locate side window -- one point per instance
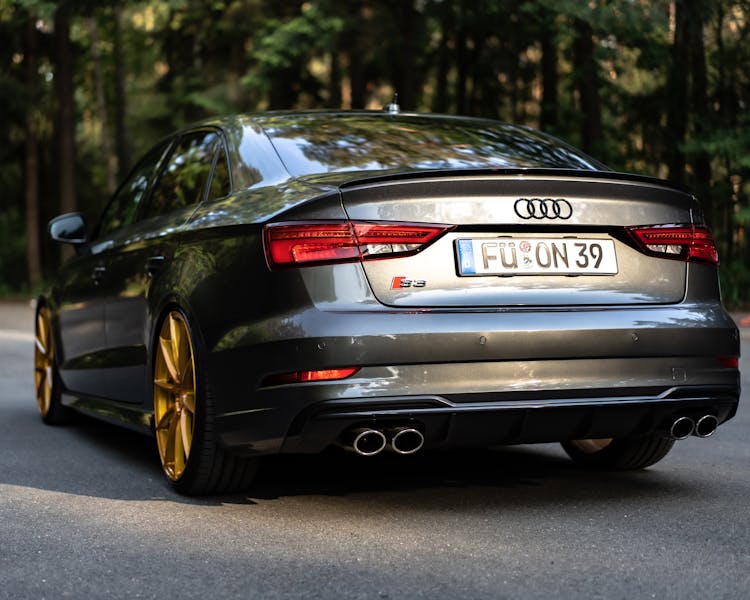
(121, 210)
(184, 178)
(220, 184)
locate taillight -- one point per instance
(305, 376)
(730, 362)
(681, 242)
(308, 243)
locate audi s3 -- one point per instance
(386, 282)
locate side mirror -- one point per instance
(68, 229)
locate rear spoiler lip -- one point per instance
(520, 172)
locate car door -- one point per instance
(138, 258)
(87, 354)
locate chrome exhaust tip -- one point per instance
(406, 440)
(368, 442)
(706, 426)
(682, 428)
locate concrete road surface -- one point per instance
(85, 513)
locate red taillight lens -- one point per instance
(289, 243)
(681, 242)
(730, 362)
(303, 376)
(342, 241)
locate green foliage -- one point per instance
(725, 144)
(182, 60)
(285, 43)
(735, 285)
(285, 48)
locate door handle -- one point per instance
(153, 264)
(98, 274)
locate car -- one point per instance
(284, 282)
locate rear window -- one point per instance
(311, 144)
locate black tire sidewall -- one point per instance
(623, 454)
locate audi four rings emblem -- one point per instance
(543, 208)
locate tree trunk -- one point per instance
(406, 77)
(514, 75)
(587, 83)
(352, 41)
(462, 61)
(474, 103)
(548, 118)
(677, 94)
(440, 99)
(701, 162)
(727, 110)
(334, 82)
(283, 93)
(357, 79)
(101, 108)
(31, 187)
(122, 144)
(65, 115)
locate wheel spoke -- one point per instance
(175, 333)
(41, 328)
(167, 385)
(180, 346)
(40, 394)
(188, 401)
(165, 420)
(47, 394)
(169, 449)
(165, 347)
(186, 372)
(186, 427)
(179, 448)
(592, 446)
(46, 336)
(40, 346)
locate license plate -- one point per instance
(536, 256)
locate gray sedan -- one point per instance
(285, 282)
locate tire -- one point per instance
(191, 454)
(620, 454)
(47, 383)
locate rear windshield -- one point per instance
(311, 144)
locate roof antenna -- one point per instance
(393, 108)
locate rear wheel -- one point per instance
(46, 379)
(624, 454)
(191, 455)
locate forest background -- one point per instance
(660, 87)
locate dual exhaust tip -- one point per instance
(369, 442)
(405, 440)
(684, 427)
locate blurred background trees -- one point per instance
(657, 87)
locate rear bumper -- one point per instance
(306, 418)
(475, 379)
(450, 424)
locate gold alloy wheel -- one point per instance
(44, 360)
(591, 446)
(174, 394)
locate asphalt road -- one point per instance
(85, 513)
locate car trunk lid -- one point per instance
(524, 239)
